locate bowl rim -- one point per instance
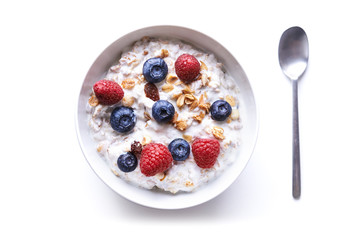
(83, 147)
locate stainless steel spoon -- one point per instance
(293, 58)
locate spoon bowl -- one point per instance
(294, 52)
(293, 59)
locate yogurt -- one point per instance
(192, 118)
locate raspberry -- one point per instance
(155, 158)
(187, 68)
(108, 92)
(205, 152)
(151, 91)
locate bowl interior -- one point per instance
(159, 199)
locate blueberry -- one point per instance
(123, 119)
(155, 70)
(220, 110)
(180, 149)
(163, 111)
(127, 162)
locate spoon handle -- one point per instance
(296, 188)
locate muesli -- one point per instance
(166, 116)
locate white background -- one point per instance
(48, 191)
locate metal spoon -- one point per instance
(293, 58)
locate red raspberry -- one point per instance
(205, 152)
(187, 68)
(108, 92)
(155, 158)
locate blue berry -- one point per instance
(127, 162)
(179, 149)
(163, 111)
(220, 110)
(123, 119)
(155, 70)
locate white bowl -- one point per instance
(160, 199)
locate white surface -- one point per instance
(48, 191)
